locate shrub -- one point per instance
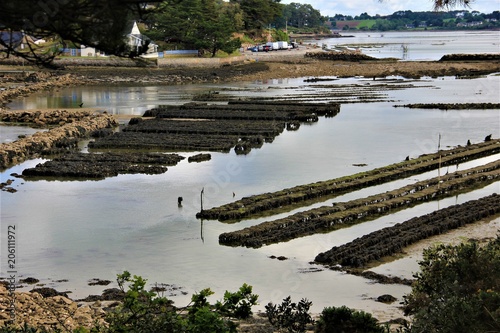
(457, 289)
(239, 304)
(343, 319)
(290, 316)
(144, 311)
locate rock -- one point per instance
(386, 298)
(48, 292)
(29, 280)
(49, 313)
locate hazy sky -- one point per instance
(373, 7)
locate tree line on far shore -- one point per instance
(409, 20)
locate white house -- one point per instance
(136, 40)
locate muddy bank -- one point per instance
(304, 195)
(388, 241)
(73, 127)
(272, 65)
(344, 214)
(99, 166)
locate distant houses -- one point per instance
(15, 39)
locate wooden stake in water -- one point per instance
(201, 197)
(439, 166)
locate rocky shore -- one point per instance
(52, 313)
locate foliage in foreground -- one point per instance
(143, 311)
(457, 289)
(293, 317)
(344, 319)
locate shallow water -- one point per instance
(429, 45)
(79, 230)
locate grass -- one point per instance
(366, 23)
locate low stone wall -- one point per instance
(44, 118)
(64, 136)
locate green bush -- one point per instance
(457, 289)
(345, 320)
(239, 304)
(290, 316)
(141, 310)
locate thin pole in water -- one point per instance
(439, 166)
(201, 197)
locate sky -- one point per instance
(373, 7)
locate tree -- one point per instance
(97, 23)
(257, 14)
(302, 15)
(457, 290)
(204, 25)
(216, 29)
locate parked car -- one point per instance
(265, 48)
(253, 48)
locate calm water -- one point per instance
(430, 45)
(81, 230)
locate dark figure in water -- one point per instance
(487, 138)
(468, 143)
(179, 201)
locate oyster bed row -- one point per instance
(300, 195)
(328, 218)
(196, 126)
(391, 240)
(99, 166)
